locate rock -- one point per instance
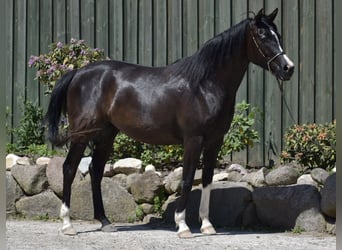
(228, 202)
(13, 193)
(331, 227)
(43, 161)
(54, 173)
(279, 207)
(130, 179)
(319, 175)
(31, 178)
(119, 205)
(150, 168)
(24, 161)
(84, 165)
(306, 179)
(146, 187)
(311, 220)
(197, 177)
(220, 177)
(256, 179)
(108, 171)
(328, 194)
(11, 160)
(283, 175)
(147, 208)
(234, 176)
(121, 179)
(238, 168)
(173, 182)
(250, 217)
(128, 166)
(45, 204)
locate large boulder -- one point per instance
(328, 194)
(54, 173)
(147, 186)
(119, 205)
(283, 175)
(173, 181)
(228, 203)
(279, 207)
(11, 160)
(127, 166)
(319, 175)
(311, 220)
(13, 193)
(256, 179)
(45, 205)
(31, 178)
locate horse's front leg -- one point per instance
(210, 154)
(192, 152)
(69, 171)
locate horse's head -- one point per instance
(264, 46)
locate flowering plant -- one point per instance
(61, 59)
(312, 145)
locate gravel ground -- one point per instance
(24, 234)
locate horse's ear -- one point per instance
(260, 14)
(273, 15)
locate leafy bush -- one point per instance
(311, 145)
(238, 138)
(61, 59)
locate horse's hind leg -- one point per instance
(103, 146)
(69, 170)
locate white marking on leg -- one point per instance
(183, 229)
(65, 215)
(204, 211)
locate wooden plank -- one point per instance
(131, 31)
(273, 104)
(222, 15)
(174, 28)
(145, 33)
(116, 27)
(190, 27)
(19, 93)
(239, 10)
(324, 81)
(306, 66)
(73, 20)
(32, 48)
(59, 21)
(255, 85)
(206, 11)
(88, 22)
(101, 25)
(159, 32)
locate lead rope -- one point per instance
(280, 85)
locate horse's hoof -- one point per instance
(209, 230)
(186, 234)
(109, 228)
(70, 231)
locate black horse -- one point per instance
(189, 102)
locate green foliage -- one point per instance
(311, 145)
(31, 129)
(139, 213)
(241, 134)
(297, 230)
(61, 59)
(158, 202)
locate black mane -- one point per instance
(201, 66)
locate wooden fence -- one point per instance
(158, 32)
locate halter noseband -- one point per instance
(262, 53)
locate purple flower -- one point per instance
(33, 60)
(73, 40)
(59, 45)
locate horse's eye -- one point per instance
(261, 33)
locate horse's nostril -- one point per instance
(288, 68)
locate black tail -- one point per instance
(56, 106)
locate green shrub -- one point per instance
(61, 59)
(311, 145)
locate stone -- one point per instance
(54, 173)
(147, 208)
(306, 179)
(108, 170)
(197, 177)
(146, 187)
(150, 167)
(128, 166)
(31, 178)
(238, 168)
(279, 207)
(83, 166)
(328, 194)
(319, 175)
(13, 194)
(24, 161)
(311, 220)
(234, 176)
(130, 179)
(220, 177)
(249, 217)
(11, 160)
(121, 179)
(173, 182)
(46, 205)
(256, 179)
(119, 205)
(283, 175)
(43, 160)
